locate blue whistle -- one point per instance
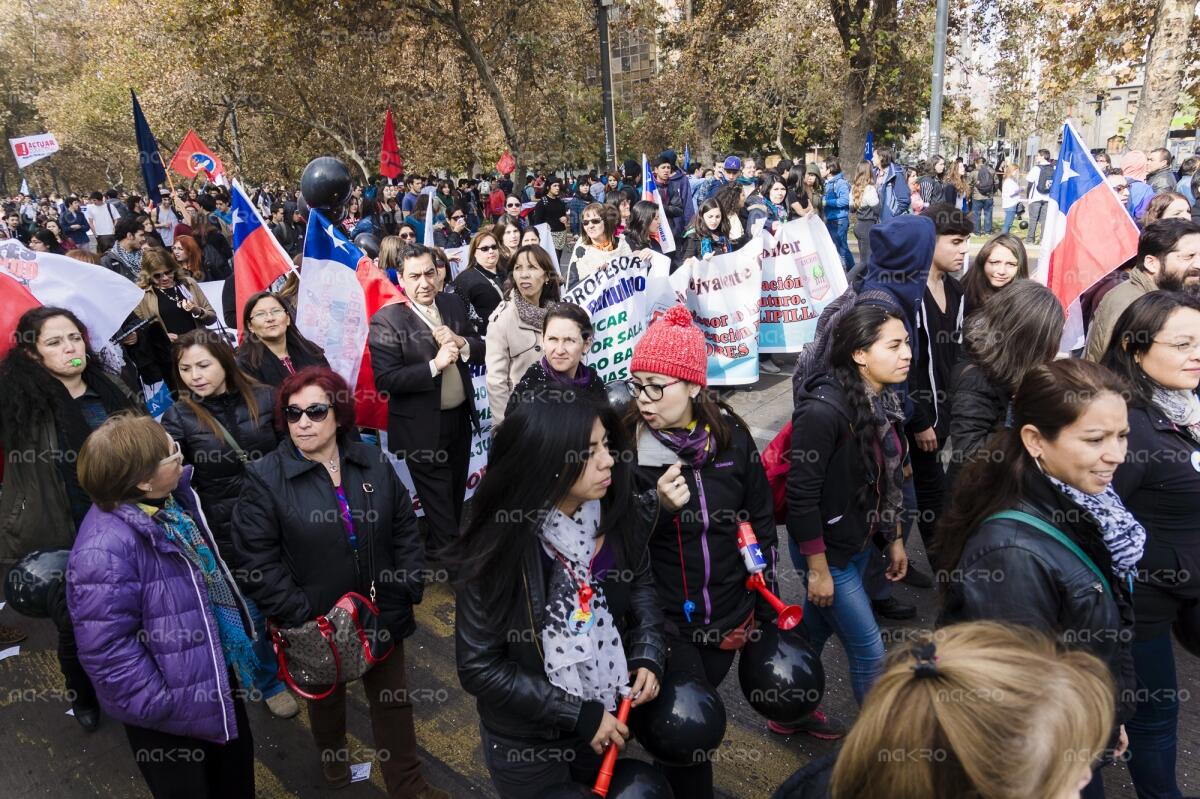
(689, 607)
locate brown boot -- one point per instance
(10, 636)
(335, 766)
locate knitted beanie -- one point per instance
(672, 346)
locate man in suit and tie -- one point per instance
(419, 352)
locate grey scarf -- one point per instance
(1124, 537)
(1182, 408)
(890, 457)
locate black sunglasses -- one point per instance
(458, 217)
(485, 248)
(408, 236)
(315, 412)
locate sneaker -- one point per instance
(917, 578)
(283, 705)
(817, 724)
(768, 366)
(11, 635)
(894, 609)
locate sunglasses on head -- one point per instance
(315, 412)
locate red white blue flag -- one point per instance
(1088, 232)
(258, 258)
(341, 288)
(666, 238)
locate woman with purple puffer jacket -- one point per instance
(161, 627)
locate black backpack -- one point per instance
(985, 181)
(1045, 178)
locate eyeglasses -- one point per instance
(653, 392)
(590, 222)
(315, 412)
(486, 248)
(408, 236)
(176, 454)
(1182, 347)
(258, 316)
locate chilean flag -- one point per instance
(340, 290)
(258, 258)
(1088, 233)
(666, 238)
(101, 298)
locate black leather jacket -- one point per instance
(1012, 572)
(501, 665)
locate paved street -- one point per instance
(45, 754)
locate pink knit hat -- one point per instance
(672, 346)
(1134, 165)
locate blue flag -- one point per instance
(151, 163)
(869, 149)
(687, 158)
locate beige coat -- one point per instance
(148, 307)
(1110, 309)
(512, 347)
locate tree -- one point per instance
(1166, 58)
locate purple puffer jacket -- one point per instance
(144, 626)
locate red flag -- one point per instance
(194, 157)
(506, 164)
(258, 259)
(390, 164)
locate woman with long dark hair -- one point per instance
(1035, 531)
(272, 346)
(1000, 262)
(701, 460)
(481, 284)
(845, 484)
(507, 231)
(933, 184)
(514, 334)
(223, 420)
(706, 235)
(642, 231)
(556, 611)
(1155, 347)
(55, 393)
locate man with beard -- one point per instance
(1168, 258)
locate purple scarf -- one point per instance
(692, 444)
(583, 375)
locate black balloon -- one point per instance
(619, 396)
(302, 207)
(568, 790)
(637, 779)
(683, 724)
(35, 578)
(368, 243)
(325, 183)
(1187, 628)
(781, 676)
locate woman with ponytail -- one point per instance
(1038, 535)
(844, 487)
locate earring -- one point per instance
(1038, 462)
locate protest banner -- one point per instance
(801, 274)
(722, 294)
(620, 299)
(30, 149)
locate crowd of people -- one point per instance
(603, 553)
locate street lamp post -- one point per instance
(606, 89)
(939, 74)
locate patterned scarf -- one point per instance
(693, 444)
(890, 457)
(531, 315)
(132, 261)
(1182, 408)
(181, 530)
(582, 376)
(1124, 537)
(584, 659)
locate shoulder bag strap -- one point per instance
(1057, 535)
(229, 439)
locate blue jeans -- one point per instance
(849, 617)
(983, 211)
(266, 676)
(1010, 216)
(1152, 730)
(839, 230)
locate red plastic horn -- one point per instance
(604, 778)
(789, 615)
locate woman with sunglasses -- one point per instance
(512, 207)
(481, 284)
(221, 421)
(597, 244)
(173, 299)
(55, 393)
(322, 516)
(272, 346)
(163, 629)
(454, 233)
(700, 458)
(1155, 348)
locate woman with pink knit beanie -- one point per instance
(704, 464)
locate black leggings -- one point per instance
(711, 665)
(79, 686)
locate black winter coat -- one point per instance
(1012, 572)
(535, 383)
(730, 487)
(500, 663)
(826, 473)
(291, 548)
(271, 371)
(219, 469)
(481, 289)
(978, 408)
